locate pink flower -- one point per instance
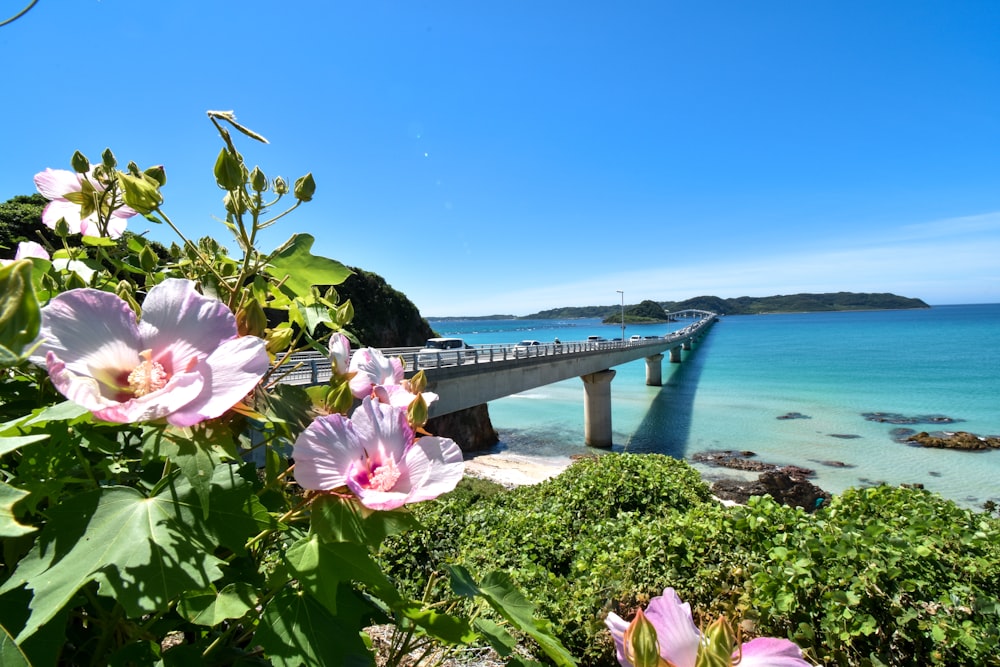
(375, 455)
(680, 640)
(183, 361)
(61, 187)
(372, 368)
(400, 395)
(25, 250)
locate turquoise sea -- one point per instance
(749, 370)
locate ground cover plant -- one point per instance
(882, 576)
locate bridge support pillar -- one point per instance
(686, 345)
(675, 355)
(597, 408)
(654, 371)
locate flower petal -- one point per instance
(180, 390)
(60, 208)
(229, 373)
(182, 325)
(435, 466)
(93, 333)
(27, 249)
(324, 452)
(382, 428)
(57, 183)
(771, 652)
(617, 626)
(675, 628)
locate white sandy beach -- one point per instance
(513, 469)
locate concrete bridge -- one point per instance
(483, 373)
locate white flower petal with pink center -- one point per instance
(183, 361)
(340, 354)
(56, 184)
(372, 368)
(375, 455)
(679, 638)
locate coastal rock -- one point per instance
(794, 415)
(470, 428)
(895, 418)
(736, 460)
(957, 440)
(785, 488)
(834, 464)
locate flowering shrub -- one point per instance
(135, 392)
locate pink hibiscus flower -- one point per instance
(183, 361)
(680, 640)
(375, 455)
(61, 186)
(26, 250)
(372, 368)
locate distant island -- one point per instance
(652, 311)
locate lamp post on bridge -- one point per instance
(623, 313)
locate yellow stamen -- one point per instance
(148, 376)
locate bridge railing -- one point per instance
(305, 368)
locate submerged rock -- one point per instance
(895, 418)
(736, 460)
(794, 415)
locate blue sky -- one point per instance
(507, 157)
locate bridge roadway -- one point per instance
(483, 373)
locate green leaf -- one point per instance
(301, 269)
(20, 316)
(211, 608)
(499, 591)
(321, 566)
(10, 653)
(65, 411)
(102, 241)
(9, 525)
(339, 519)
(197, 451)
(9, 444)
(501, 640)
(142, 551)
(297, 630)
(444, 627)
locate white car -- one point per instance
(441, 352)
(525, 347)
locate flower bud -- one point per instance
(228, 171)
(716, 647)
(108, 160)
(305, 188)
(148, 259)
(641, 646)
(80, 163)
(157, 174)
(62, 228)
(416, 412)
(258, 181)
(279, 339)
(74, 281)
(140, 193)
(280, 186)
(250, 319)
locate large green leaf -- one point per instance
(340, 519)
(297, 630)
(9, 525)
(65, 411)
(10, 443)
(321, 566)
(197, 451)
(499, 591)
(142, 551)
(301, 269)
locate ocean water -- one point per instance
(749, 370)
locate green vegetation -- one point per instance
(798, 303)
(882, 576)
(746, 305)
(647, 312)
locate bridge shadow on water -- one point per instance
(666, 427)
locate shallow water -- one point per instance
(729, 391)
